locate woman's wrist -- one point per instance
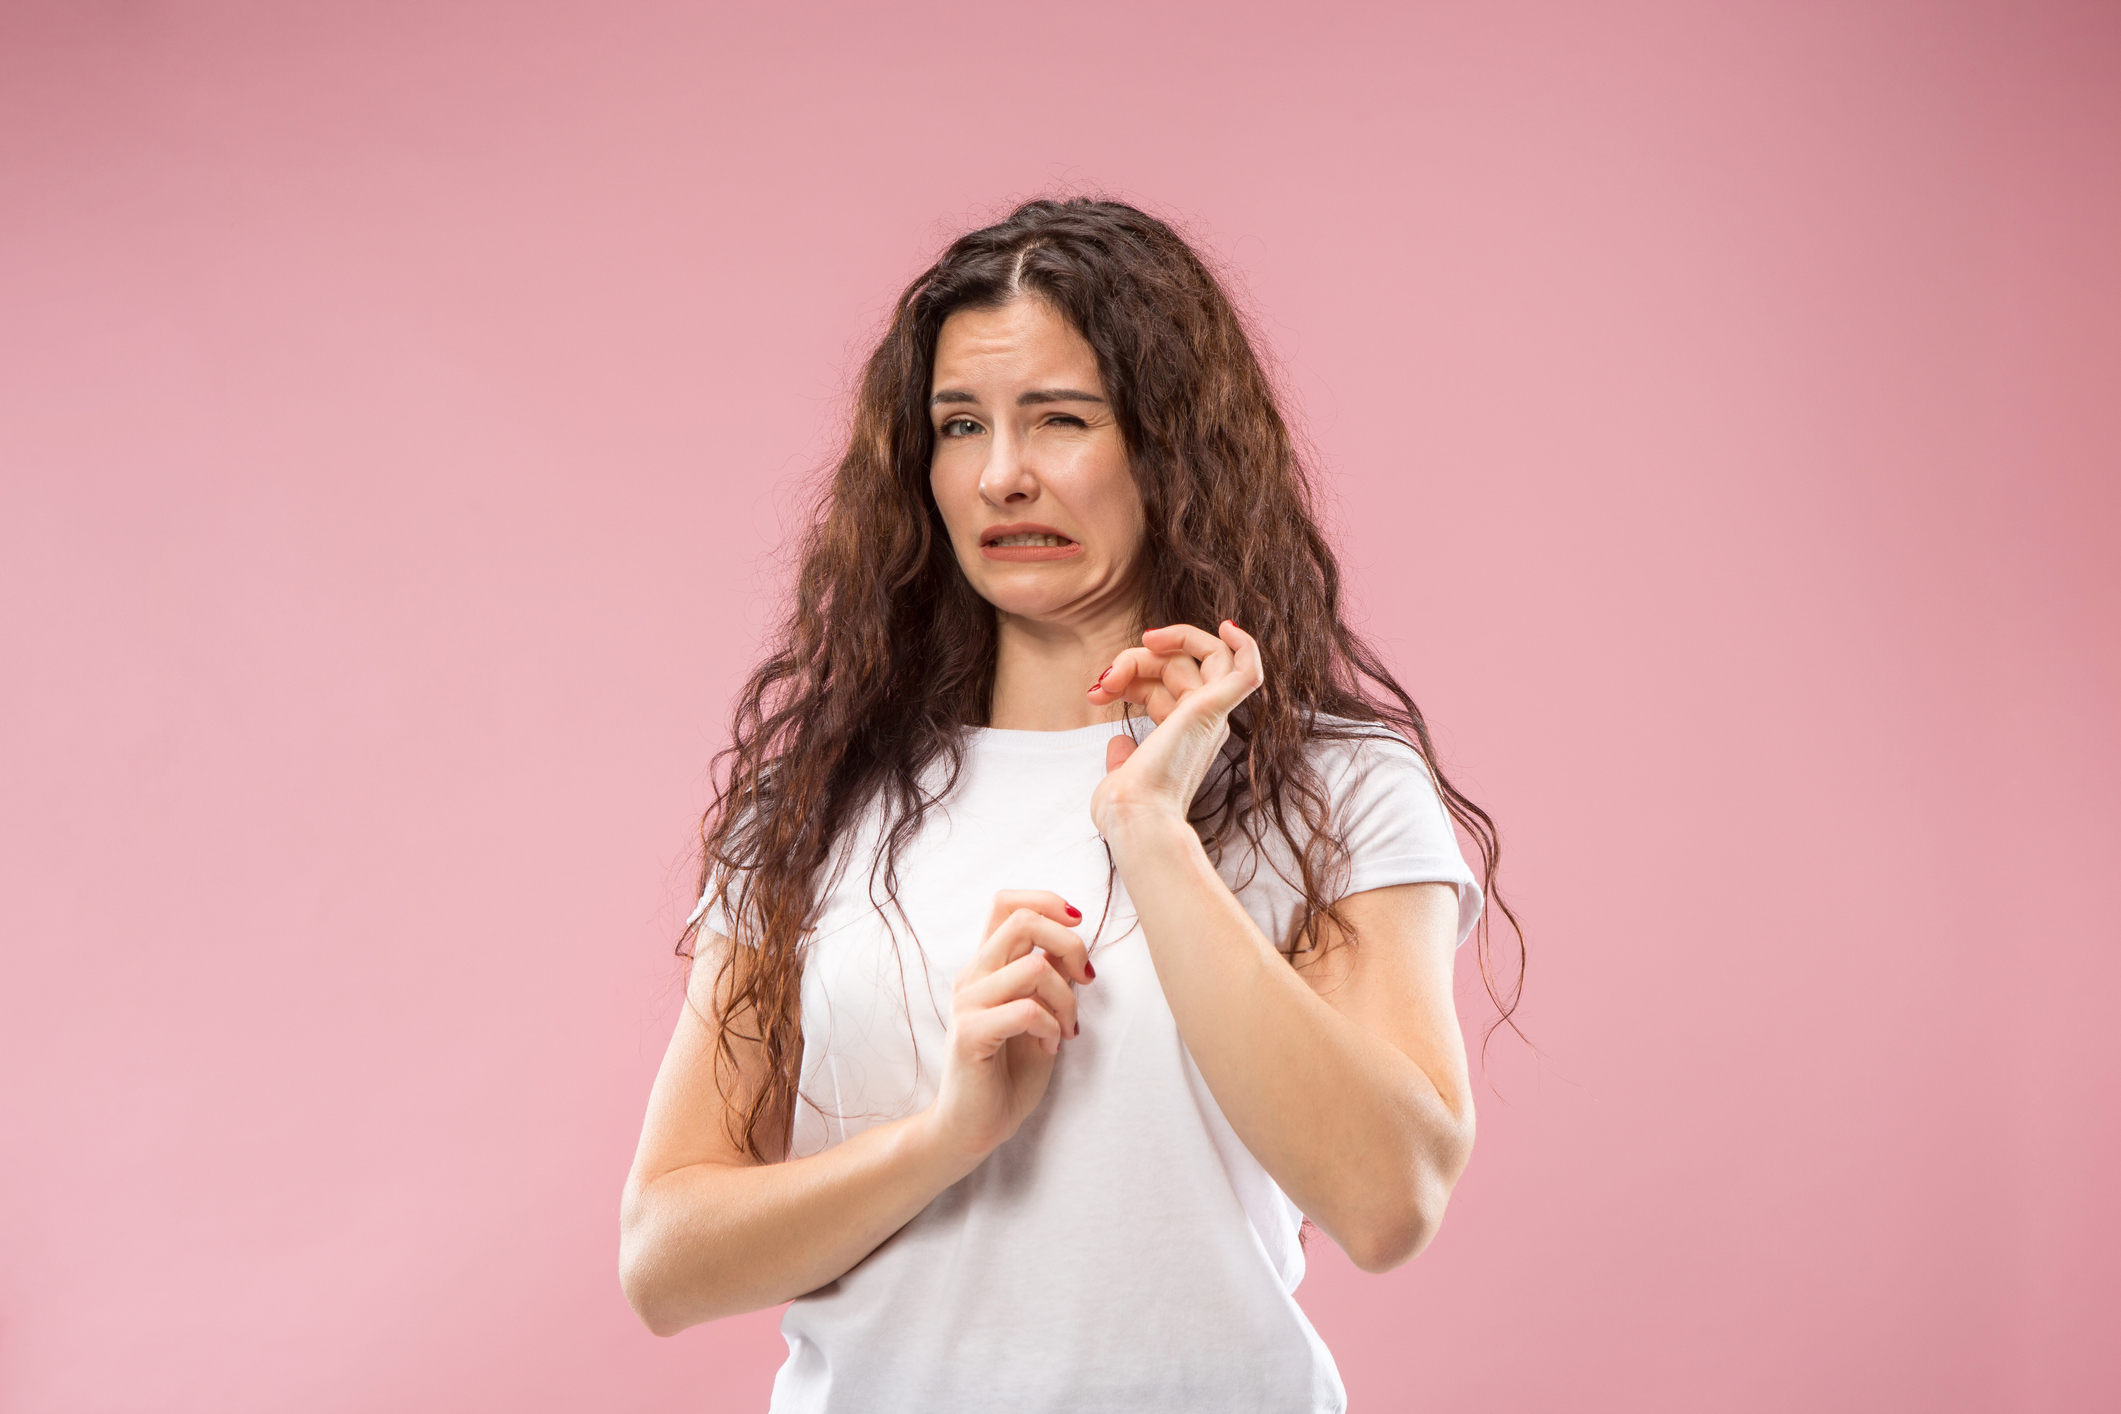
(1150, 836)
(926, 1141)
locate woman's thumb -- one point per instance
(1117, 751)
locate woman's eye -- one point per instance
(960, 427)
(1062, 419)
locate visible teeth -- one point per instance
(1054, 540)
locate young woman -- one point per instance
(1074, 919)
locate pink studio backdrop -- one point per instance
(399, 406)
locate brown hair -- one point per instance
(888, 653)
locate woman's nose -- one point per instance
(1007, 478)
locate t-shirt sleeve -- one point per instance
(719, 918)
(1395, 825)
(714, 916)
(709, 915)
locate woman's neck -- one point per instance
(1043, 671)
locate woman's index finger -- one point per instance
(1133, 675)
(1040, 901)
(1186, 638)
(1023, 930)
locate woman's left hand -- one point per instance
(1189, 680)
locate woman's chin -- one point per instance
(1051, 592)
(1028, 596)
(1031, 608)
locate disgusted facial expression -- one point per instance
(1030, 468)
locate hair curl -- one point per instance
(888, 653)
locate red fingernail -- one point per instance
(1089, 971)
(1073, 911)
(1078, 1028)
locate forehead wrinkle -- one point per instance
(994, 349)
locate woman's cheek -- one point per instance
(944, 486)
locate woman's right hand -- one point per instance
(708, 1230)
(1012, 1007)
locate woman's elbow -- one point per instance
(1393, 1240)
(1397, 1232)
(640, 1269)
(659, 1325)
(637, 1284)
(643, 1295)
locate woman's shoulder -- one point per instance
(1347, 750)
(1376, 780)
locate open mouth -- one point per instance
(1012, 540)
(1026, 542)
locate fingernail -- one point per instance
(1089, 971)
(1078, 1028)
(1073, 911)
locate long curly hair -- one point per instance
(888, 654)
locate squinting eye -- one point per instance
(960, 427)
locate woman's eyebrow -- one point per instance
(1057, 395)
(1037, 395)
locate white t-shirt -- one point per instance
(1123, 1251)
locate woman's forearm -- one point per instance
(715, 1239)
(1357, 1134)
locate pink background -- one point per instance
(400, 403)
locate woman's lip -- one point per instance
(1030, 552)
(991, 551)
(1017, 527)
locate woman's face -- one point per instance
(1030, 469)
